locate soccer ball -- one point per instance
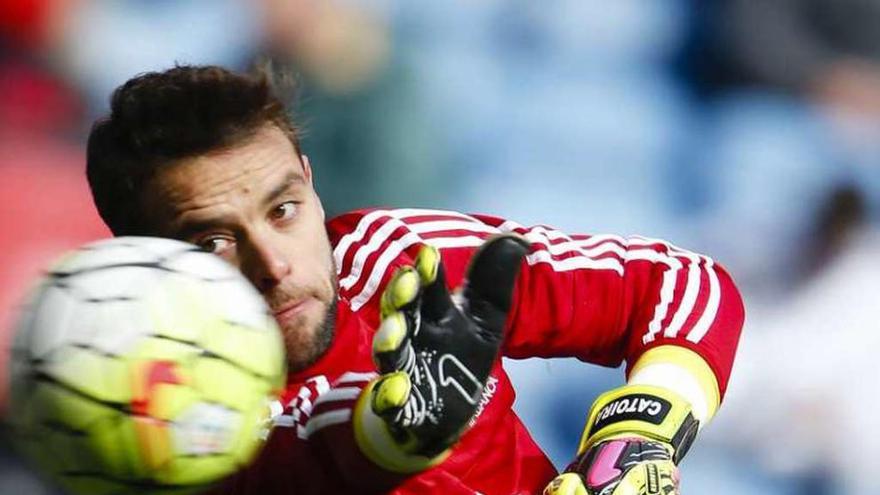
(143, 365)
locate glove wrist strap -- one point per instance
(641, 410)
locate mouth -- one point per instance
(291, 310)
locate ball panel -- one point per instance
(161, 247)
(66, 409)
(199, 469)
(169, 401)
(194, 264)
(122, 250)
(205, 429)
(255, 424)
(154, 443)
(114, 327)
(116, 283)
(116, 438)
(261, 353)
(242, 304)
(158, 348)
(65, 455)
(104, 253)
(61, 423)
(89, 373)
(226, 383)
(50, 318)
(180, 308)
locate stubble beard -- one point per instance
(305, 348)
(301, 355)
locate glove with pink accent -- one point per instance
(634, 439)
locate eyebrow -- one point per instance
(290, 180)
(191, 227)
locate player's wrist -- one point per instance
(682, 371)
(387, 449)
(641, 412)
(632, 442)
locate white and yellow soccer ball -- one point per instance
(143, 365)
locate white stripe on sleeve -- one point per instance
(326, 419)
(702, 327)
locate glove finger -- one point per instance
(436, 300)
(649, 478)
(398, 305)
(401, 292)
(392, 346)
(491, 279)
(390, 394)
(633, 483)
(566, 484)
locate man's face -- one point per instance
(254, 205)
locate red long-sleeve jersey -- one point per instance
(603, 299)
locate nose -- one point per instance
(264, 263)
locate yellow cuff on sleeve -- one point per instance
(682, 371)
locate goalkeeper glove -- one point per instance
(435, 355)
(634, 439)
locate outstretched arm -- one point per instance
(673, 316)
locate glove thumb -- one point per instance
(488, 293)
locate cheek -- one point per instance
(311, 253)
(327, 269)
(317, 266)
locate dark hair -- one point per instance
(161, 117)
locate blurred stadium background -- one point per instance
(746, 129)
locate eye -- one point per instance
(284, 211)
(215, 245)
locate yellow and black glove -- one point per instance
(634, 438)
(434, 355)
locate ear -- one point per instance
(307, 168)
(307, 171)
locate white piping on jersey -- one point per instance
(397, 246)
(373, 245)
(370, 218)
(441, 225)
(702, 327)
(386, 231)
(453, 242)
(284, 421)
(686, 307)
(353, 376)
(356, 235)
(575, 263)
(339, 393)
(601, 244)
(326, 419)
(542, 235)
(585, 260)
(667, 287)
(393, 251)
(689, 299)
(587, 249)
(336, 394)
(590, 248)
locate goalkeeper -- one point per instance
(395, 320)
